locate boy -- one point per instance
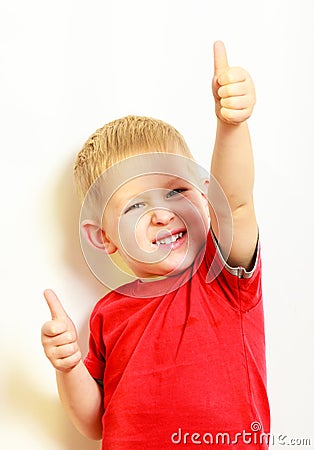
(176, 357)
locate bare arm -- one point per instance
(232, 163)
(80, 394)
(82, 399)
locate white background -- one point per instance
(68, 67)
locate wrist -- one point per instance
(226, 126)
(71, 368)
(228, 117)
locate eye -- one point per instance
(175, 192)
(135, 206)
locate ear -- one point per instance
(205, 186)
(97, 237)
(204, 190)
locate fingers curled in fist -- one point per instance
(233, 89)
(59, 336)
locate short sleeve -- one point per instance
(243, 288)
(95, 360)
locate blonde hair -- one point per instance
(120, 139)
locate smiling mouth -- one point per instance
(169, 239)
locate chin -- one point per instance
(176, 267)
(170, 266)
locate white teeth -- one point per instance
(170, 239)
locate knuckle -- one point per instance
(227, 113)
(59, 326)
(46, 343)
(226, 77)
(69, 362)
(59, 364)
(44, 339)
(228, 91)
(72, 349)
(76, 347)
(50, 354)
(70, 336)
(46, 328)
(64, 350)
(230, 77)
(47, 351)
(228, 102)
(63, 359)
(223, 91)
(78, 356)
(53, 328)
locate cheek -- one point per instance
(193, 212)
(196, 220)
(140, 227)
(135, 243)
(126, 228)
(202, 207)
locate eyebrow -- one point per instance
(125, 199)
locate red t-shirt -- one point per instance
(185, 367)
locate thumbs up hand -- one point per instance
(59, 336)
(233, 89)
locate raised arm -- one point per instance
(79, 393)
(232, 163)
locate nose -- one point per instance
(162, 216)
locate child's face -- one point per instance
(158, 223)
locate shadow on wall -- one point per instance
(67, 209)
(31, 405)
(48, 412)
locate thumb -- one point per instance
(56, 309)
(220, 58)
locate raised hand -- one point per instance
(233, 89)
(59, 336)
